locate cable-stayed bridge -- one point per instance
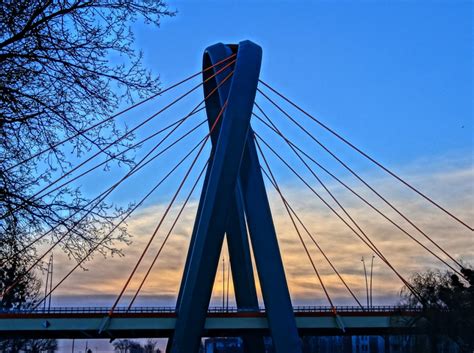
(83, 322)
(233, 204)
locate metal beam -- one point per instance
(228, 188)
(211, 225)
(267, 254)
(236, 230)
(216, 324)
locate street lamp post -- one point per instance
(366, 281)
(371, 276)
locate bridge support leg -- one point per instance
(242, 270)
(267, 254)
(236, 230)
(221, 210)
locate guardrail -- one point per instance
(169, 309)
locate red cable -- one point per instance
(167, 236)
(113, 187)
(368, 242)
(131, 131)
(324, 255)
(100, 198)
(107, 236)
(277, 188)
(365, 155)
(291, 144)
(371, 188)
(117, 114)
(320, 249)
(165, 213)
(131, 172)
(129, 148)
(32, 197)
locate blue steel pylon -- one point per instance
(234, 197)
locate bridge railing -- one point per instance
(171, 310)
(342, 309)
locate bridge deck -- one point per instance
(160, 322)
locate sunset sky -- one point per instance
(395, 78)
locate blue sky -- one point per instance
(395, 78)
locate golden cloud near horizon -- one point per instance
(107, 276)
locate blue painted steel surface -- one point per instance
(267, 254)
(219, 195)
(236, 231)
(213, 104)
(242, 273)
(160, 322)
(228, 189)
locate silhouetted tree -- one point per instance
(135, 347)
(24, 295)
(40, 346)
(448, 306)
(121, 346)
(26, 290)
(65, 65)
(151, 347)
(130, 346)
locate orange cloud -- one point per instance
(452, 187)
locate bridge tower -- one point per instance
(234, 199)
